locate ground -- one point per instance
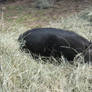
(19, 72)
(25, 12)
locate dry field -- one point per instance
(19, 72)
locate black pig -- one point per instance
(54, 42)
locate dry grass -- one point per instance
(20, 73)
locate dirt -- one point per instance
(40, 17)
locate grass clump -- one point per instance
(44, 3)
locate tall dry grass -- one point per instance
(20, 73)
